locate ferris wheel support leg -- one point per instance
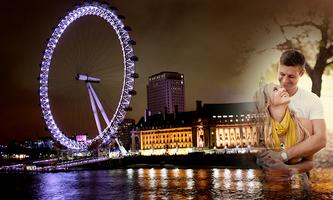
(121, 148)
(106, 119)
(93, 106)
(98, 102)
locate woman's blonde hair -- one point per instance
(263, 97)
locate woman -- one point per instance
(279, 128)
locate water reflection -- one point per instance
(166, 184)
(190, 181)
(56, 181)
(226, 179)
(129, 174)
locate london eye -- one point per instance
(82, 76)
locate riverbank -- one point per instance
(193, 160)
(322, 159)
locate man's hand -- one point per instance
(266, 155)
(272, 164)
(275, 169)
(278, 175)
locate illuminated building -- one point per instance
(212, 126)
(165, 93)
(166, 141)
(81, 138)
(164, 134)
(226, 126)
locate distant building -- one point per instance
(211, 126)
(166, 93)
(124, 132)
(81, 138)
(40, 143)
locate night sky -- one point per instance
(203, 39)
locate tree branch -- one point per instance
(329, 63)
(307, 23)
(281, 28)
(308, 69)
(287, 44)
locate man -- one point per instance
(308, 108)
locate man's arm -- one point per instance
(304, 166)
(311, 145)
(279, 171)
(306, 148)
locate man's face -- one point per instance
(289, 76)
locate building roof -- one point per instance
(167, 75)
(188, 118)
(179, 119)
(228, 109)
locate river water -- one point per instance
(165, 183)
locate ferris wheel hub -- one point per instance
(86, 78)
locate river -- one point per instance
(164, 183)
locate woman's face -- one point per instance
(278, 96)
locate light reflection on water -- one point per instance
(165, 184)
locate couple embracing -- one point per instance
(290, 120)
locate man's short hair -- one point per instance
(293, 58)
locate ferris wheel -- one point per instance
(107, 134)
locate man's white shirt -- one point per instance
(306, 105)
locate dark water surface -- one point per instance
(164, 184)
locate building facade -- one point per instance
(227, 125)
(167, 141)
(213, 126)
(218, 134)
(165, 93)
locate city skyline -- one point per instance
(205, 41)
